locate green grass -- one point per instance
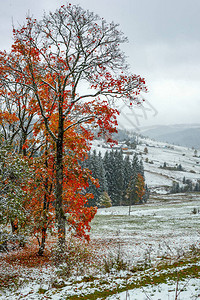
(164, 273)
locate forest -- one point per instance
(119, 176)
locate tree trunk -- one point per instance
(14, 225)
(42, 244)
(59, 184)
(45, 208)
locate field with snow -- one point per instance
(138, 257)
(157, 228)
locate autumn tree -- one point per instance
(104, 200)
(17, 116)
(72, 63)
(139, 188)
(42, 187)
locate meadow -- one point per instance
(153, 252)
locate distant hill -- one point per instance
(183, 134)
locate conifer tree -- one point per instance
(127, 177)
(146, 194)
(93, 165)
(102, 175)
(118, 177)
(110, 168)
(197, 187)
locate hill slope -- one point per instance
(184, 135)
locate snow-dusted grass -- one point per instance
(166, 227)
(187, 289)
(145, 254)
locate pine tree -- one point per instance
(135, 165)
(197, 187)
(175, 187)
(137, 170)
(127, 178)
(111, 169)
(141, 168)
(102, 175)
(119, 177)
(146, 195)
(93, 166)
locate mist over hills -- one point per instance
(181, 134)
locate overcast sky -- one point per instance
(164, 47)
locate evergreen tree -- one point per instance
(179, 167)
(102, 175)
(136, 168)
(118, 177)
(146, 194)
(110, 168)
(127, 178)
(197, 187)
(141, 168)
(175, 188)
(188, 187)
(95, 165)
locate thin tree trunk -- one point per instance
(44, 228)
(45, 208)
(14, 225)
(43, 241)
(59, 184)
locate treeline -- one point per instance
(119, 176)
(187, 186)
(177, 167)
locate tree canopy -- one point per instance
(59, 80)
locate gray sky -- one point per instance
(164, 47)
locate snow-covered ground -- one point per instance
(164, 229)
(158, 228)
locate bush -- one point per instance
(76, 258)
(10, 241)
(114, 263)
(194, 211)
